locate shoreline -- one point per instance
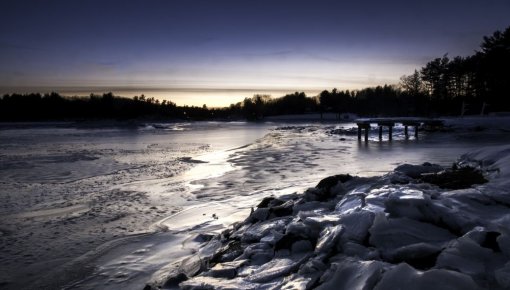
(110, 199)
(319, 237)
(283, 162)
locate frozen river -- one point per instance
(75, 197)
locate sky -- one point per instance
(217, 52)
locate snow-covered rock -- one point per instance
(392, 232)
(404, 276)
(416, 171)
(352, 274)
(400, 239)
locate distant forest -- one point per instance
(475, 84)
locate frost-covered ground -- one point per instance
(119, 208)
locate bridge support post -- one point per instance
(366, 127)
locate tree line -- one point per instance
(474, 84)
(466, 84)
(53, 106)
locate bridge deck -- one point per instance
(365, 123)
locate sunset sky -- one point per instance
(217, 52)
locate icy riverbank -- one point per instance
(399, 229)
(108, 208)
(70, 192)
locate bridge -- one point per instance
(365, 123)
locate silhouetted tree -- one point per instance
(413, 84)
(494, 68)
(436, 75)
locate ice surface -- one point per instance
(73, 190)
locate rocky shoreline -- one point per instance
(418, 227)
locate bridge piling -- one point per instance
(390, 122)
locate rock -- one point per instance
(281, 210)
(296, 282)
(328, 182)
(410, 203)
(499, 195)
(258, 230)
(315, 194)
(356, 226)
(175, 280)
(504, 244)
(491, 241)
(421, 256)
(289, 239)
(327, 188)
(270, 201)
(400, 178)
(502, 276)
(229, 252)
(191, 266)
(320, 221)
(390, 234)
(299, 229)
(272, 238)
(328, 238)
(259, 253)
(278, 267)
(464, 209)
(301, 246)
(404, 276)
(205, 282)
(312, 206)
(351, 274)
(467, 256)
(226, 270)
(359, 251)
(350, 203)
(260, 214)
(376, 198)
(211, 249)
(416, 171)
(460, 178)
(286, 241)
(312, 266)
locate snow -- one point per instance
(375, 234)
(495, 161)
(133, 208)
(403, 276)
